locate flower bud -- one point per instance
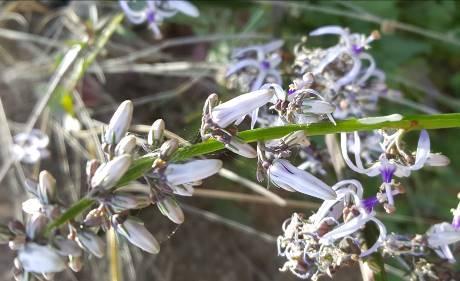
(169, 208)
(66, 247)
(125, 201)
(16, 227)
(138, 235)
(40, 259)
(155, 137)
(192, 171)
(106, 176)
(168, 148)
(239, 147)
(91, 243)
(296, 138)
(126, 145)
(36, 225)
(46, 187)
(119, 124)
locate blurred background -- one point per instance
(230, 230)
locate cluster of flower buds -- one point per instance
(37, 252)
(154, 12)
(167, 179)
(253, 66)
(42, 251)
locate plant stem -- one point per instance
(143, 164)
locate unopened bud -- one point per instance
(40, 259)
(155, 137)
(91, 243)
(138, 235)
(91, 167)
(119, 124)
(106, 176)
(126, 201)
(168, 148)
(126, 145)
(239, 147)
(296, 138)
(46, 187)
(169, 208)
(36, 225)
(66, 247)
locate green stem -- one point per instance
(143, 164)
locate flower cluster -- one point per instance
(334, 83)
(44, 251)
(154, 12)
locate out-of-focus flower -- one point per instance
(440, 236)
(352, 45)
(257, 64)
(154, 12)
(30, 148)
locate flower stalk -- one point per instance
(143, 164)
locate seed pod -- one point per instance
(40, 259)
(169, 208)
(46, 188)
(126, 145)
(168, 148)
(106, 176)
(155, 136)
(119, 124)
(91, 243)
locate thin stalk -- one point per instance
(143, 164)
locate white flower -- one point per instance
(30, 148)
(119, 124)
(181, 177)
(40, 259)
(285, 175)
(234, 110)
(440, 236)
(386, 167)
(353, 225)
(126, 145)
